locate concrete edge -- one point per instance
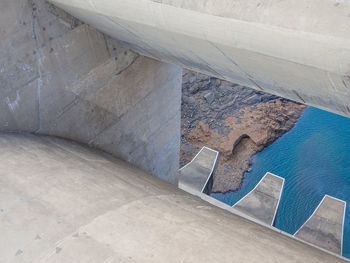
(204, 147)
(279, 198)
(212, 168)
(190, 190)
(234, 211)
(192, 159)
(318, 206)
(342, 235)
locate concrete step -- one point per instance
(262, 203)
(197, 176)
(325, 226)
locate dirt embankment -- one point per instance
(236, 121)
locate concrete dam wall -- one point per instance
(280, 47)
(63, 78)
(59, 77)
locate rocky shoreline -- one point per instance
(234, 120)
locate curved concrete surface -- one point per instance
(62, 202)
(282, 47)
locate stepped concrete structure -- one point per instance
(325, 227)
(110, 77)
(62, 202)
(262, 203)
(197, 176)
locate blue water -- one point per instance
(314, 158)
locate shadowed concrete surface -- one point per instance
(326, 225)
(197, 176)
(263, 201)
(61, 77)
(281, 47)
(62, 202)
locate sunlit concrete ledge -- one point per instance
(325, 227)
(196, 177)
(234, 211)
(263, 201)
(260, 205)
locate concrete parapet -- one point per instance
(262, 203)
(196, 177)
(325, 227)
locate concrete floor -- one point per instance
(62, 202)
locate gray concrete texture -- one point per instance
(63, 202)
(61, 77)
(325, 227)
(262, 203)
(195, 175)
(281, 47)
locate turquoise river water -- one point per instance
(314, 158)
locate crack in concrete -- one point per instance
(128, 66)
(297, 94)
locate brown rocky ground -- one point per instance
(234, 120)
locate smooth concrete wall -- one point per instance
(281, 47)
(61, 77)
(62, 202)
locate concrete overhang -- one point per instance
(296, 49)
